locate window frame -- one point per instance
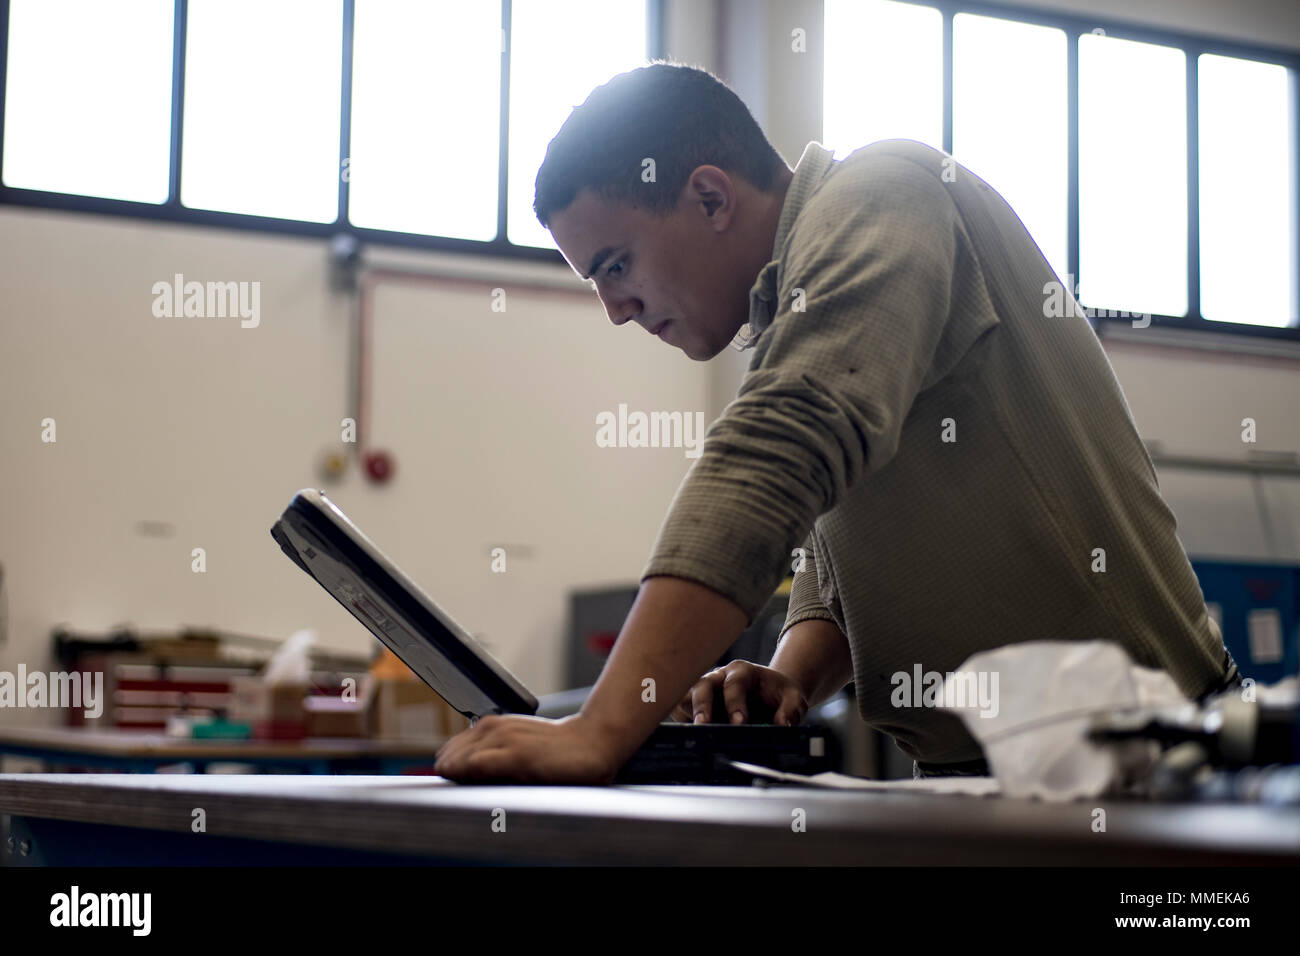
(173, 211)
(1192, 45)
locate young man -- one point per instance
(954, 456)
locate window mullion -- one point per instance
(4, 65)
(345, 111)
(1193, 185)
(178, 103)
(1295, 195)
(1072, 159)
(503, 153)
(947, 80)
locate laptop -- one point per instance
(321, 540)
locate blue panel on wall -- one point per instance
(1259, 611)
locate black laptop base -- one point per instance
(696, 753)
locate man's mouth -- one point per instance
(655, 330)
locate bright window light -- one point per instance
(1247, 191)
(562, 50)
(883, 74)
(88, 98)
(425, 128)
(1009, 120)
(1132, 176)
(262, 95)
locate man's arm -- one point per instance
(815, 655)
(675, 631)
(812, 650)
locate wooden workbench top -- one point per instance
(432, 817)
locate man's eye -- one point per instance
(610, 271)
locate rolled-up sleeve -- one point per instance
(864, 299)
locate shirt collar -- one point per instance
(808, 175)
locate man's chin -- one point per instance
(701, 352)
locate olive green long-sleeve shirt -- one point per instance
(955, 455)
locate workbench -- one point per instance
(135, 752)
(89, 819)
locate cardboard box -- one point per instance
(275, 711)
(331, 716)
(411, 710)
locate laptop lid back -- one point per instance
(320, 539)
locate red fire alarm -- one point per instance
(379, 466)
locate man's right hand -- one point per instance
(745, 688)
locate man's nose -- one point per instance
(619, 308)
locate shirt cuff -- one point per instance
(724, 543)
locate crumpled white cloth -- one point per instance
(1048, 692)
(291, 662)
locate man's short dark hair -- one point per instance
(680, 116)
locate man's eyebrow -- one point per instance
(597, 259)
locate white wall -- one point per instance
(211, 428)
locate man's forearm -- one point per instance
(815, 654)
(676, 630)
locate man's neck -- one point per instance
(778, 203)
(771, 221)
(760, 253)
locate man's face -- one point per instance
(683, 276)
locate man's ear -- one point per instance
(711, 190)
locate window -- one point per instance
(884, 74)
(562, 50)
(1247, 191)
(422, 124)
(106, 75)
(1157, 171)
(1008, 127)
(262, 108)
(385, 119)
(1132, 176)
